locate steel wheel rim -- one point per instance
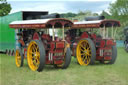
(33, 56)
(18, 58)
(83, 52)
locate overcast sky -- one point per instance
(58, 6)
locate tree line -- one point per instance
(117, 10)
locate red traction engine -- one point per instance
(38, 46)
(88, 46)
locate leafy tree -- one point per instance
(5, 8)
(95, 14)
(86, 13)
(81, 12)
(104, 13)
(69, 14)
(119, 11)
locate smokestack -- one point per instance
(92, 18)
(50, 16)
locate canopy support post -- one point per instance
(104, 32)
(112, 32)
(100, 31)
(115, 32)
(53, 37)
(47, 31)
(63, 32)
(107, 32)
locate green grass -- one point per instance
(98, 74)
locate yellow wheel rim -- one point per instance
(83, 52)
(18, 58)
(33, 56)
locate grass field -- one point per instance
(98, 74)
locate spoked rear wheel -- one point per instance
(86, 52)
(19, 58)
(36, 55)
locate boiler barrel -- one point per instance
(50, 16)
(91, 18)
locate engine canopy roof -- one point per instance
(60, 22)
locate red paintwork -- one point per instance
(52, 45)
(60, 44)
(107, 58)
(28, 26)
(25, 52)
(42, 25)
(36, 36)
(100, 44)
(107, 53)
(97, 25)
(58, 61)
(86, 25)
(57, 50)
(109, 42)
(93, 36)
(54, 49)
(46, 37)
(84, 35)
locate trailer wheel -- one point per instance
(36, 55)
(19, 58)
(67, 60)
(86, 52)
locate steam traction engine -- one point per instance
(38, 46)
(89, 47)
